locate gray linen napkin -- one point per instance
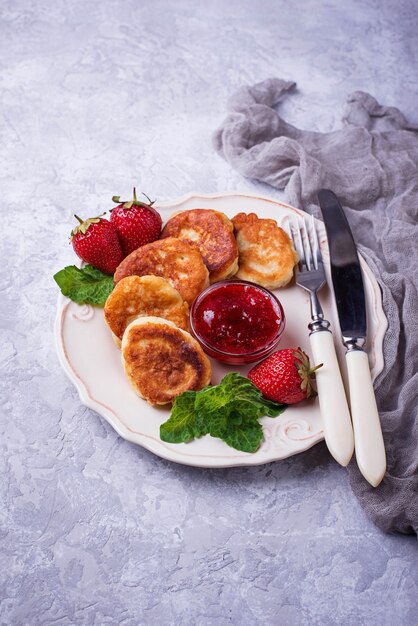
(372, 166)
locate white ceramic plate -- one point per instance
(93, 363)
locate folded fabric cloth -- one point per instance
(372, 166)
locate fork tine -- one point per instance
(300, 246)
(290, 228)
(286, 226)
(307, 245)
(313, 240)
(317, 249)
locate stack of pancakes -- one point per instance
(148, 310)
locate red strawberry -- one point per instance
(96, 241)
(137, 223)
(285, 376)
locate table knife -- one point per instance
(348, 287)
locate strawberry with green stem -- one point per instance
(137, 223)
(95, 240)
(285, 376)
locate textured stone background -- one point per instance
(97, 96)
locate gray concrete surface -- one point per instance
(96, 97)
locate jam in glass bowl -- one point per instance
(236, 321)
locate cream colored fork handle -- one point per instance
(370, 448)
(333, 405)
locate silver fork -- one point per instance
(310, 275)
(333, 405)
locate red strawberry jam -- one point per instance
(236, 321)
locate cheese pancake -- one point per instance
(177, 261)
(266, 253)
(213, 233)
(161, 361)
(135, 296)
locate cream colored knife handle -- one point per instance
(370, 448)
(333, 405)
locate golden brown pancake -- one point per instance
(135, 296)
(177, 261)
(266, 253)
(213, 233)
(161, 361)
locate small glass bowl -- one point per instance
(237, 358)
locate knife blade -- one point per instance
(350, 300)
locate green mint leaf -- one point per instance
(272, 409)
(246, 436)
(228, 411)
(234, 396)
(181, 427)
(84, 286)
